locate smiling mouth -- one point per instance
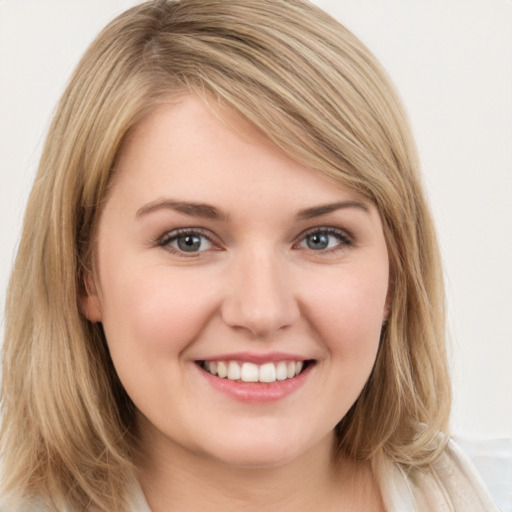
(251, 372)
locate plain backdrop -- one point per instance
(452, 63)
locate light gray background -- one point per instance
(451, 61)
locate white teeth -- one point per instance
(267, 372)
(222, 370)
(281, 371)
(250, 372)
(290, 368)
(233, 371)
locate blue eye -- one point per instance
(186, 242)
(324, 240)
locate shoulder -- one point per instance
(453, 478)
(450, 483)
(138, 501)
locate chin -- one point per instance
(265, 451)
(257, 458)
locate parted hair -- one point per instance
(68, 430)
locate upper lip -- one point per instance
(256, 358)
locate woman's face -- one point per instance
(223, 268)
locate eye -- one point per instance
(185, 241)
(324, 239)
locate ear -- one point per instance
(90, 301)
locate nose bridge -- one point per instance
(261, 295)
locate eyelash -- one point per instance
(171, 236)
(345, 240)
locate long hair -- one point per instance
(320, 96)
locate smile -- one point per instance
(251, 372)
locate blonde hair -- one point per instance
(314, 89)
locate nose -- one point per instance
(260, 298)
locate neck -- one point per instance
(184, 480)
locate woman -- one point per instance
(228, 280)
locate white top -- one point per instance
(450, 484)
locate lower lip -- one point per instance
(257, 392)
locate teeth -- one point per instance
(222, 370)
(267, 372)
(234, 372)
(250, 372)
(281, 371)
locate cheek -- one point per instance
(155, 311)
(348, 320)
(149, 321)
(349, 314)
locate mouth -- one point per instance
(248, 372)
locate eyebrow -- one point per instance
(204, 210)
(317, 211)
(208, 211)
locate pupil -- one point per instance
(189, 243)
(318, 241)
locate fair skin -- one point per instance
(215, 249)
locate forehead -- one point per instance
(186, 147)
